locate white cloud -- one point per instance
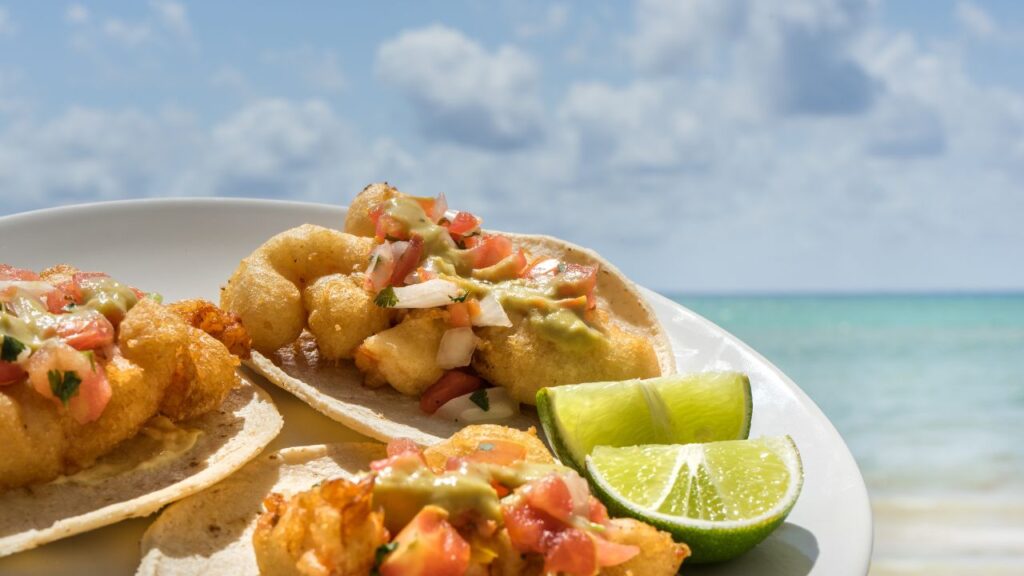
(976, 20)
(640, 127)
(7, 27)
(173, 15)
(128, 33)
(461, 92)
(554, 20)
(795, 56)
(695, 177)
(76, 14)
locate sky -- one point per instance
(701, 146)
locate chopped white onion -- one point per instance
(450, 215)
(429, 294)
(492, 313)
(580, 493)
(440, 208)
(382, 265)
(500, 407)
(456, 348)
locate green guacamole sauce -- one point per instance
(35, 324)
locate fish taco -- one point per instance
(112, 404)
(415, 320)
(490, 501)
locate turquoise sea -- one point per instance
(928, 392)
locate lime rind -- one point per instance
(709, 540)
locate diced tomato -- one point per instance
(434, 208)
(491, 250)
(11, 373)
(408, 261)
(572, 552)
(502, 452)
(56, 300)
(458, 315)
(474, 308)
(87, 402)
(428, 545)
(85, 332)
(598, 513)
(611, 553)
(73, 288)
(389, 228)
(8, 272)
(500, 489)
(472, 241)
(578, 280)
(463, 224)
(551, 495)
(452, 384)
(528, 527)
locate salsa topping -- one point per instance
(442, 516)
(428, 256)
(58, 333)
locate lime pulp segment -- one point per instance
(721, 498)
(677, 409)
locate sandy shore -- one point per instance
(945, 536)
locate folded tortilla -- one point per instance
(335, 388)
(231, 435)
(211, 532)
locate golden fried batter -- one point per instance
(405, 356)
(524, 361)
(266, 288)
(166, 367)
(342, 314)
(220, 324)
(330, 530)
(659, 554)
(357, 220)
(467, 441)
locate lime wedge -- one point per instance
(677, 409)
(721, 498)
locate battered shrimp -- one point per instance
(659, 554)
(522, 360)
(266, 288)
(405, 356)
(164, 367)
(342, 314)
(357, 221)
(330, 529)
(220, 324)
(468, 440)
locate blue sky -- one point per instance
(704, 145)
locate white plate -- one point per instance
(186, 248)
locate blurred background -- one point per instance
(839, 183)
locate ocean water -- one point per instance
(928, 392)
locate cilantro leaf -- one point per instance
(64, 385)
(11, 348)
(382, 551)
(386, 298)
(460, 298)
(480, 399)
